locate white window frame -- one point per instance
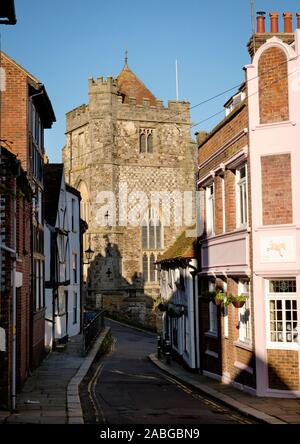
(75, 268)
(223, 204)
(226, 319)
(281, 297)
(242, 221)
(210, 210)
(75, 308)
(213, 313)
(244, 327)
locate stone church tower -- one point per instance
(122, 145)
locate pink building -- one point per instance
(251, 245)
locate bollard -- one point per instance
(168, 352)
(158, 347)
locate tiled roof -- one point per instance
(183, 248)
(130, 85)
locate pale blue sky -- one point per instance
(63, 42)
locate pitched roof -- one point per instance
(129, 85)
(53, 175)
(41, 99)
(183, 248)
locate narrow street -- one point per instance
(125, 388)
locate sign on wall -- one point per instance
(281, 249)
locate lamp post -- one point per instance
(89, 253)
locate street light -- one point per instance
(89, 255)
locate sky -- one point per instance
(64, 42)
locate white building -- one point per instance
(63, 258)
(179, 300)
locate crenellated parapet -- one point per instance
(78, 117)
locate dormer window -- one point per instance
(146, 141)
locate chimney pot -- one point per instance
(274, 22)
(261, 24)
(298, 20)
(288, 22)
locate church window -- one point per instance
(146, 141)
(151, 245)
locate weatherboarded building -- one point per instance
(122, 147)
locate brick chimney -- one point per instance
(288, 22)
(261, 25)
(298, 20)
(262, 35)
(274, 22)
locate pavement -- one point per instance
(51, 394)
(264, 410)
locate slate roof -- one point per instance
(53, 173)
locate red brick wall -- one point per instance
(23, 294)
(38, 345)
(277, 189)
(14, 109)
(283, 368)
(273, 86)
(232, 126)
(230, 199)
(218, 205)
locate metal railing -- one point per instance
(93, 326)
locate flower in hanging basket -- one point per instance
(160, 305)
(219, 298)
(239, 301)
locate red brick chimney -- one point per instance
(274, 22)
(298, 20)
(261, 25)
(288, 22)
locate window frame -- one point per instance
(247, 326)
(210, 210)
(284, 297)
(75, 308)
(148, 147)
(213, 313)
(242, 186)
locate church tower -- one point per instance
(122, 148)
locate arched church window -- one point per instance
(146, 141)
(143, 140)
(151, 245)
(150, 143)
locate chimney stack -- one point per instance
(274, 22)
(261, 25)
(288, 22)
(298, 20)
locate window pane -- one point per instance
(152, 268)
(152, 236)
(145, 237)
(145, 268)
(158, 236)
(150, 144)
(143, 143)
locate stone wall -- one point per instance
(102, 150)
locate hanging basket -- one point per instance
(238, 303)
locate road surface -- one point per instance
(124, 387)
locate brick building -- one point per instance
(126, 141)
(15, 274)
(250, 248)
(25, 112)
